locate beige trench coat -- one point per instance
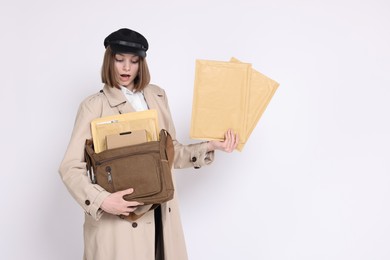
(107, 236)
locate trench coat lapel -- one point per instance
(116, 99)
(152, 97)
(155, 98)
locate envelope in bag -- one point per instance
(116, 124)
(228, 95)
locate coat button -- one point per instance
(193, 159)
(134, 224)
(169, 209)
(196, 167)
(87, 202)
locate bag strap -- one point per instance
(88, 152)
(166, 147)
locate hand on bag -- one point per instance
(116, 205)
(228, 145)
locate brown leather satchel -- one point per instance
(146, 167)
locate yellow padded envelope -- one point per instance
(228, 95)
(110, 125)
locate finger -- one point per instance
(127, 210)
(126, 192)
(233, 142)
(130, 204)
(131, 209)
(237, 140)
(224, 143)
(228, 138)
(232, 138)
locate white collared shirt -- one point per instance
(136, 99)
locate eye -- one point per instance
(135, 61)
(118, 60)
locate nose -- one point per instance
(127, 65)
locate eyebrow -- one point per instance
(132, 57)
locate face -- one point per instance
(126, 69)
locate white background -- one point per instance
(313, 181)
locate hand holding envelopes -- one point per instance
(116, 124)
(228, 95)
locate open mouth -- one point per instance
(125, 77)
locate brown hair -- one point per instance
(108, 71)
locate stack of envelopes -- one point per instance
(122, 123)
(228, 95)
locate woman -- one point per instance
(158, 233)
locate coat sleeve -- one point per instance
(73, 167)
(186, 155)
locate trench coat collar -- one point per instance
(116, 98)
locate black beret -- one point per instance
(127, 41)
